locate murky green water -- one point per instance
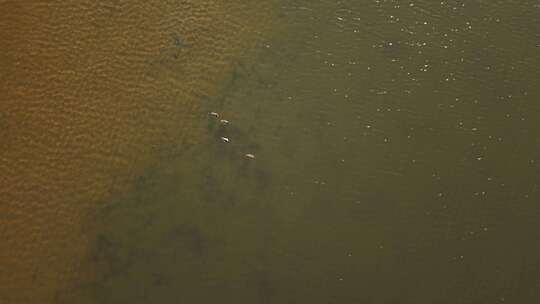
(396, 149)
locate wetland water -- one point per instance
(397, 156)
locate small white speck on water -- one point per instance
(249, 156)
(225, 139)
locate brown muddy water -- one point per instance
(371, 152)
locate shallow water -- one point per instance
(396, 162)
(396, 159)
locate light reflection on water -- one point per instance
(395, 162)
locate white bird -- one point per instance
(214, 114)
(225, 139)
(250, 156)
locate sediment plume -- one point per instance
(89, 90)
